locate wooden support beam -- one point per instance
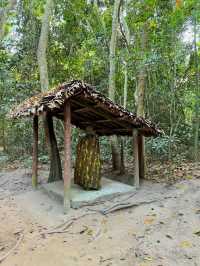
(136, 157)
(35, 153)
(114, 131)
(67, 155)
(104, 114)
(82, 110)
(122, 118)
(96, 122)
(141, 155)
(103, 121)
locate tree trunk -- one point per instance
(136, 159)
(55, 162)
(3, 135)
(111, 91)
(139, 99)
(88, 165)
(42, 46)
(196, 118)
(55, 166)
(67, 156)
(139, 93)
(116, 158)
(141, 155)
(122, 164)
(127, 36)
(3, 16)
(35, 153)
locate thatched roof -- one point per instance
(88, 108)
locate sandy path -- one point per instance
(164, 232)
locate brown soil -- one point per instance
(165, 231)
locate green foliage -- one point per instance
(44, 159)
(78, 48)
(105, 149)
(159, 147)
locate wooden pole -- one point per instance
(67, 155)
(141, 155)
(136, 157)
(35, 153)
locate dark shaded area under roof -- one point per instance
(89, 108)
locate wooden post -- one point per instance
(35, 152)
(136, 157)
(67, 155)
(141, 156)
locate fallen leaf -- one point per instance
(179, 186)
(188, 177)
(168, 236)
(149, 220)
(197, 233)
(148, 258)
(90, 232)
(185, 244)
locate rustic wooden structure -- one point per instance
(79, 104)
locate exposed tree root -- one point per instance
(12, 249)
(65, 225)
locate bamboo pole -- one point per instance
(136, 157)
(67, 155)
(35, 153)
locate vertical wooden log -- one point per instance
(67, 155)
(35, 153)
(141, 153)
(87, 172)
(136, 157)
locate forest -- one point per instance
(142, 54)
(139, 59)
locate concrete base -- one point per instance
(80, 197)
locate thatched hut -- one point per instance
(79, 104)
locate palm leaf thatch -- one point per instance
(89, 108)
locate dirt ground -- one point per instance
(163, 229)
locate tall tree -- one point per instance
(127, 40)
(55, 162)
(139, 95)
(112, 73)
(42, 46)
(196, 111)
(126, 36)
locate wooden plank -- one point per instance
(136, 157)
(35, 153)
(67, 156)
